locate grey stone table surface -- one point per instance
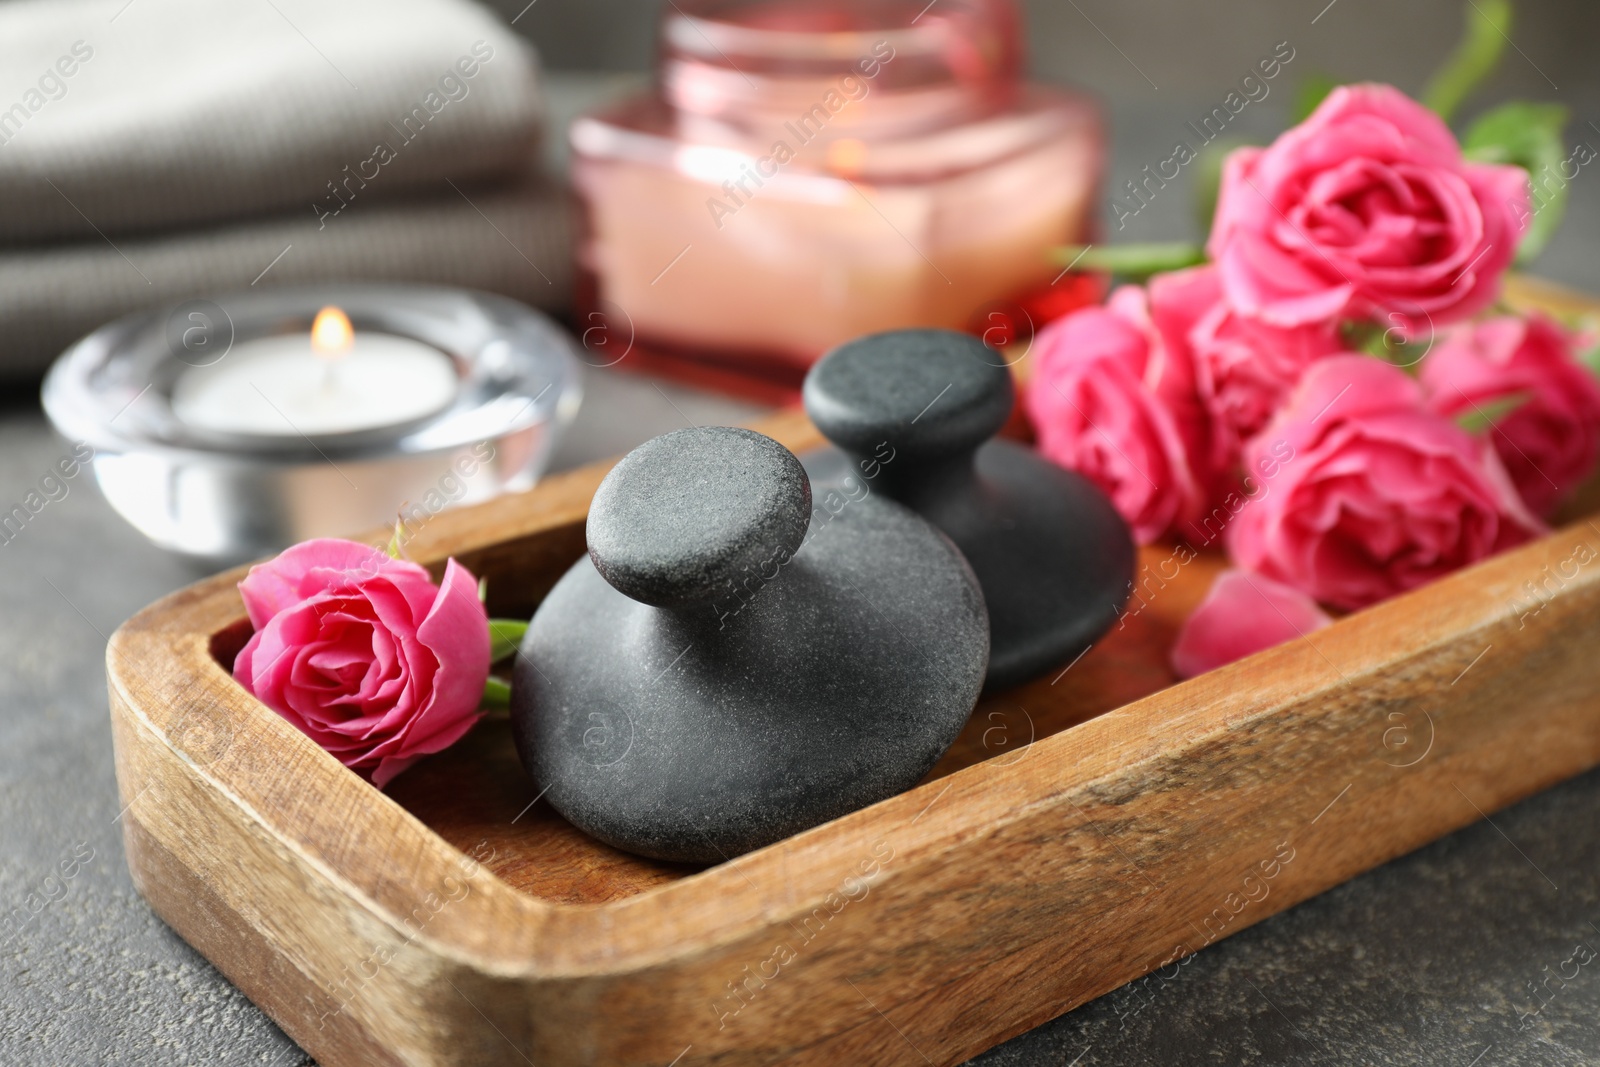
(1429, 960)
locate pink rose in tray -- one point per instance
(365, 654)
(1550, 441)
(1367, 211)
(1241, 615)
(1379, 495)
(1111, 401)
(1243, 368)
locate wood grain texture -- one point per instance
(447, 922)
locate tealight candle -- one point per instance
(333, 382)
(439, 397)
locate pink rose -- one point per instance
(1378, 495)
(1241, 615)
(1111, 401)
(1549, 443)
(1243, 368)
(364, 654)
(1365, 210)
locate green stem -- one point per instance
(1483, 39)
(496, 694)
(505, 635)
(1132, 260)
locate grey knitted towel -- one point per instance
(514, 240)
(119, 116)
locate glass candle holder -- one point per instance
(807, 171)
(226, 429)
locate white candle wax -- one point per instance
(281, 387)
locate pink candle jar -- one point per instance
(807, 171)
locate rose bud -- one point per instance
(1366, 210)
(364, 654)
(1549, 440)
(1114, 403)
(1379, 495)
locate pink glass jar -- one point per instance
(807, 171)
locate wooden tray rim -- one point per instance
(505, 932)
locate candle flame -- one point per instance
(331, 333)
(846, 155)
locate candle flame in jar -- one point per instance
(846, 155)
(331, 333)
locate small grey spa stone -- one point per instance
(912, 412)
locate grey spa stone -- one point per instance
(912, 413)
(766, 674)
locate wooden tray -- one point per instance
(456, 921)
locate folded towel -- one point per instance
(134, 115)
(514, 240)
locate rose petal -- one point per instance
(1241, 615)
(324, 564)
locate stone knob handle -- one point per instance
(932, 394)
(686, 513)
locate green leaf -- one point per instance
(1483, 40)
(496, 693)
(1208, 176)
(1356, 336)
(1388, 345)
(1313, 90)
(1529, 136)
(1484, 416)
(1133, 260)
(504, 637)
